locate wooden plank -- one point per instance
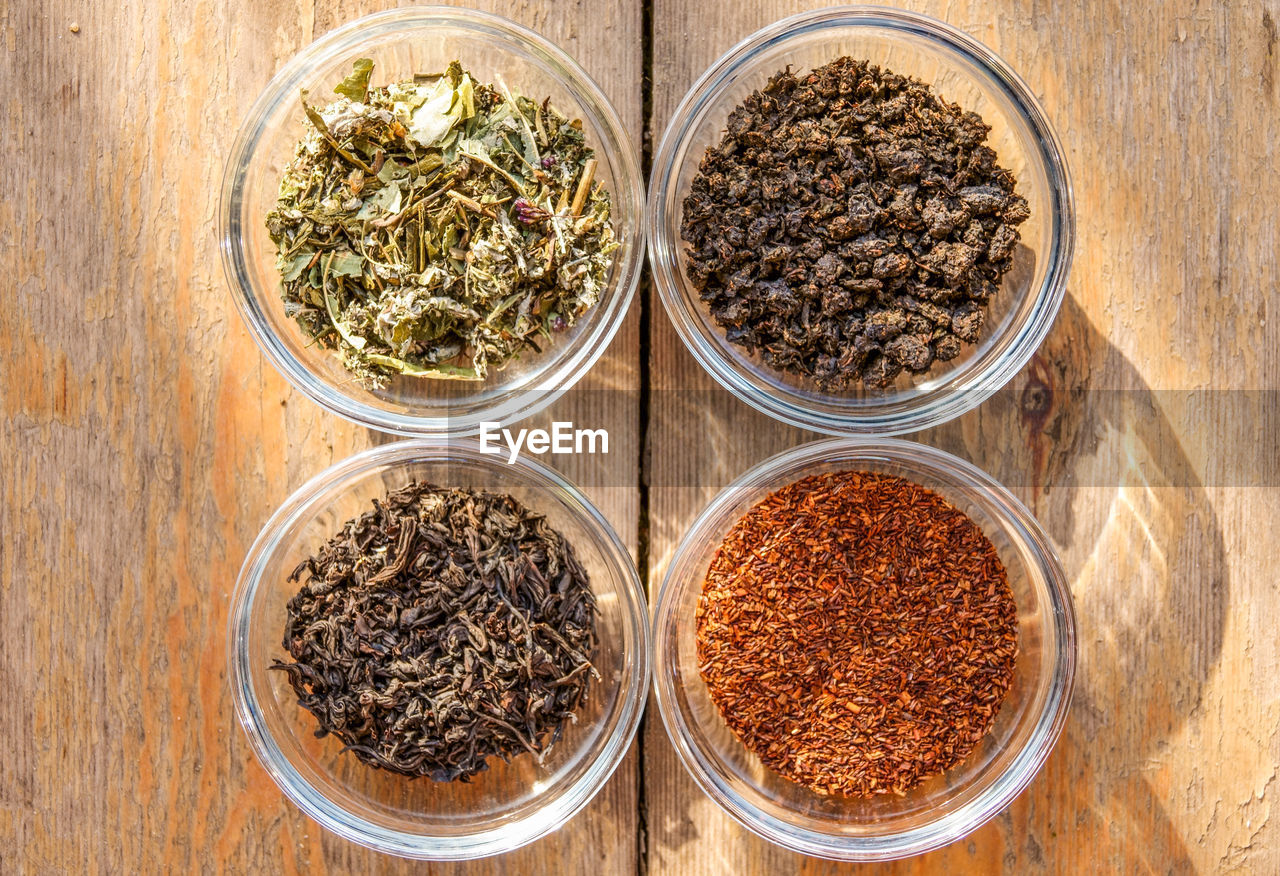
(1169, 762)
(143, 440)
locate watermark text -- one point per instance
(561, 439)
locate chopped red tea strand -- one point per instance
(857, 632)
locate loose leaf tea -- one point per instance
(857, 633)
(850, 225)
(438, 227)
(439, 629)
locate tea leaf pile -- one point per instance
(851, 225)
(438, 227)
(439, 629)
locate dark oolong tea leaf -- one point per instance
(438, 227)
(439, 629)
(850, 225)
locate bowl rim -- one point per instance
(545, 387)
(333, 817)
(938, 832)
(920, 410)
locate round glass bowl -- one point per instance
(402, 42)
(505, 807)
(961, 70)
(942, 809)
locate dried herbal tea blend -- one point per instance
(439, 629)
(438, 227)
(857, 633)
(850, 224)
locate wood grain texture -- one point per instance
(144, 441)
(1133, 435)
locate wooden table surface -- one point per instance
(144, 440)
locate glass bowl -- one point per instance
(505, 807)
(960, 69)
(401, 42)
(943, 808)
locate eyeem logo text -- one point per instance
(563, 438)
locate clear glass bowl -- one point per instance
(402, 42)
(942, 809)
(510, 804)
(961, 70)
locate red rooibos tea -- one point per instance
(857, 633)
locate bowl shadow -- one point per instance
(1099, 458)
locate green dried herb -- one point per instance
(437, 227)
